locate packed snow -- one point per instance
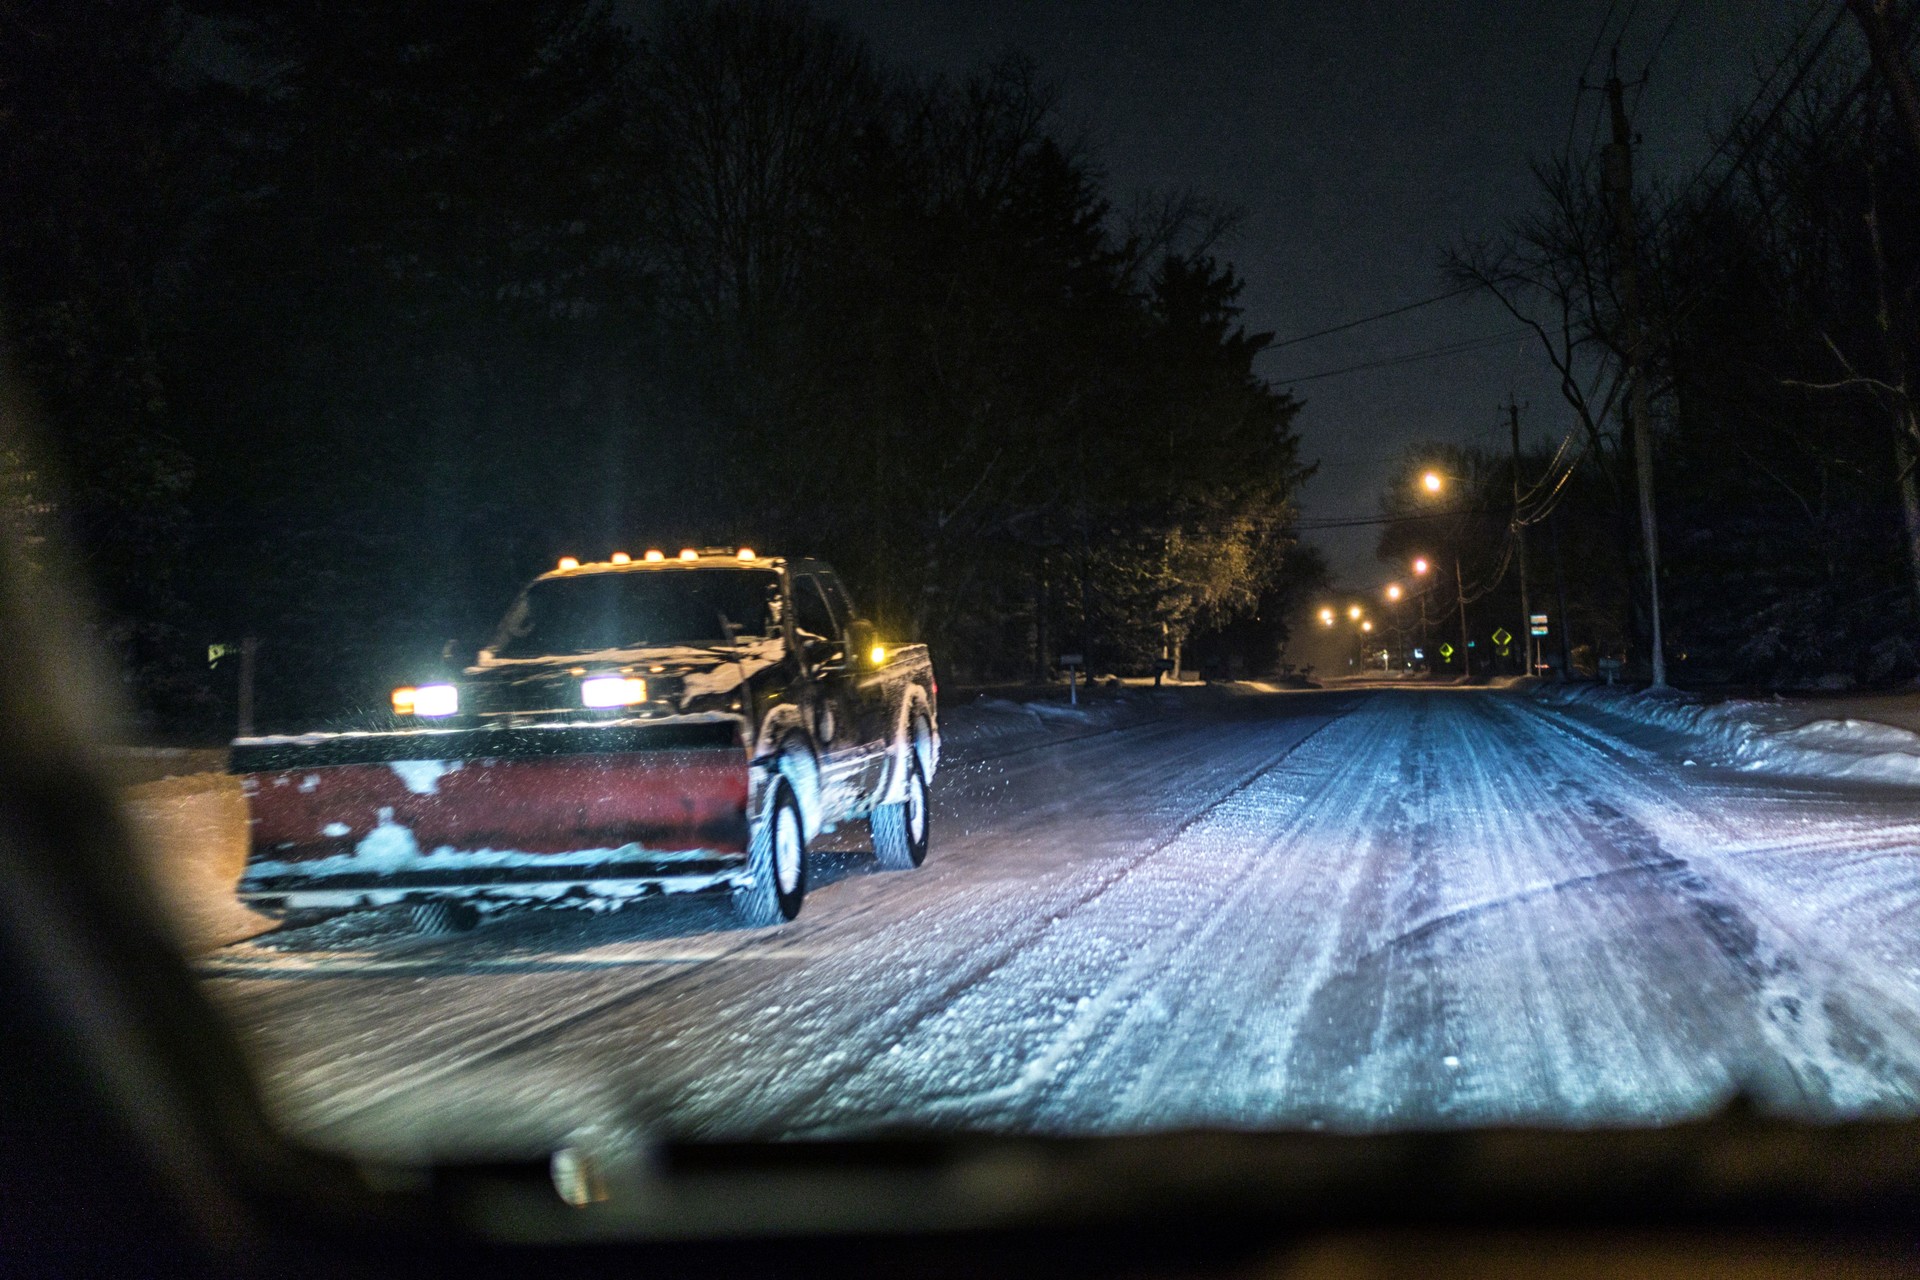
(1353, 909)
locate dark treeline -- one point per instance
(1780, 292)
(345, 319)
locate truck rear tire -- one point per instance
(776, 878)
(900, 830)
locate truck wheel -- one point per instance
(438, 916)
(900, 830)
(776, 879)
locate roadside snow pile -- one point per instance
(1797, 737)
(1002, 721)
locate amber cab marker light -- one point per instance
(620, 557)
(569, 562)
(688, 553)
(746, 553)
(654, 557)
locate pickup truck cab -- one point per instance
(637, 725)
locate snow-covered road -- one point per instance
(1351, 909)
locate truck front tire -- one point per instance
(776, 877)
(900, 830)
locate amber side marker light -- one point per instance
(688, 553)
(569, 562)
(746, 553)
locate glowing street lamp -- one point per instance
(1420, 564)
(1326, 617)
(1353, 612)
(1366, 626)
(1393, 591)
(1431, 482)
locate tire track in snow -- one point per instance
(792, 1112)
(1836, 1041)
(1093, 968)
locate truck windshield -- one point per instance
(652, 608)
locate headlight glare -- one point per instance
(434, 700)
(612, 691)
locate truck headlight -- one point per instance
(612, 691)
(430, 700)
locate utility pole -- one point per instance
(249, 656)
(1466, 650)
(1520, 537)
(1619, 166)
(1560, 591)
(1883, 49)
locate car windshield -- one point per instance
(654, 608)
(1386, 542)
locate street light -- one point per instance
(1353, 612)
(1393, 591)
(1422, 565)
(1366, 626)
(1431, 482)
(1326, 617)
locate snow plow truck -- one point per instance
(639, 725)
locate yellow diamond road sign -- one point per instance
(1502, 636)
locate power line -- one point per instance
(1646, 72)
(1411, 357)
(1378, 315)
(1359, 522)
(1753, 140)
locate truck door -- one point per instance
(836, 719)
(876, 696)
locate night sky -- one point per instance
(1360, 140)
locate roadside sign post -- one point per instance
(248, 651)
(249, 654)
(1073, 662)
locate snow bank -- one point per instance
(1818, 738)
(1000, 719)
